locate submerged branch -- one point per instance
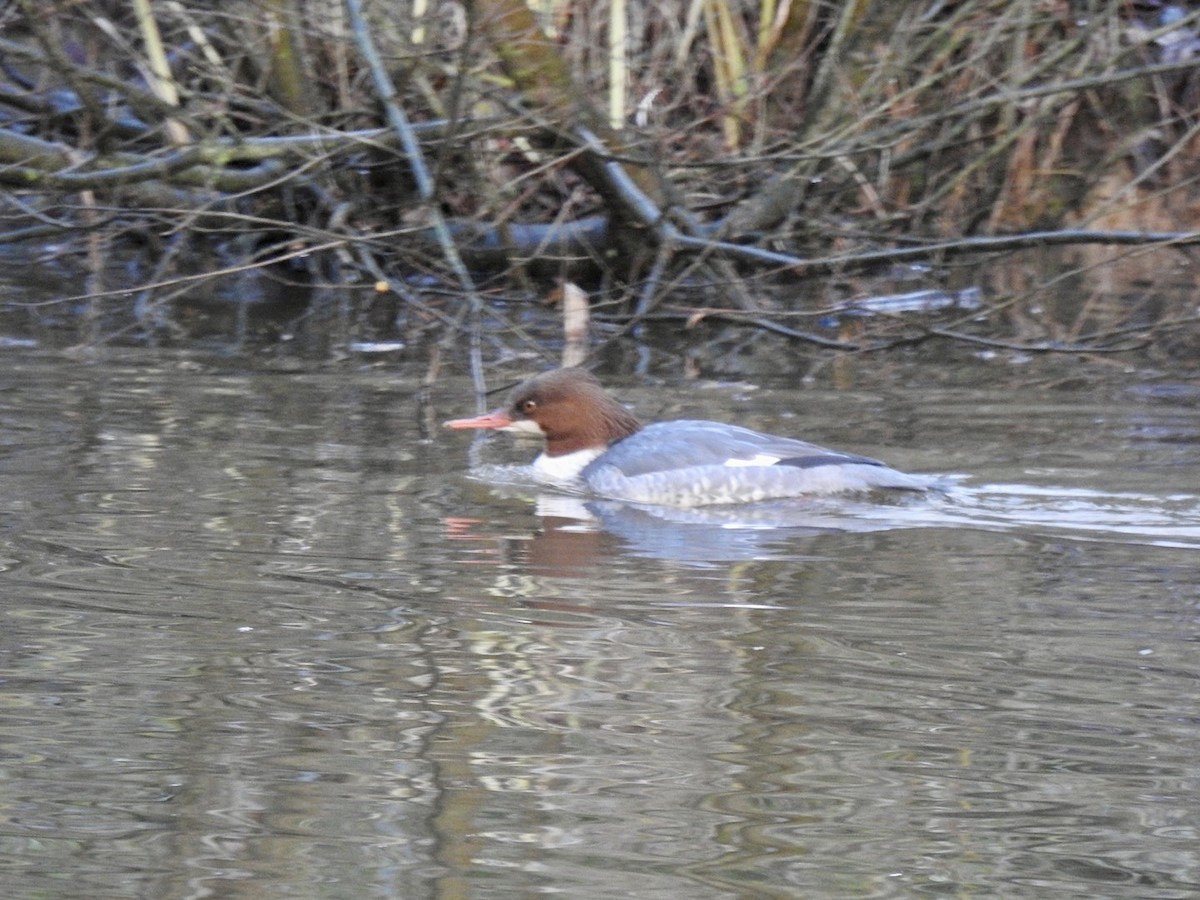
(1092, 344)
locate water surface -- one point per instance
(263, 637)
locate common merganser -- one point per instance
(595, 444)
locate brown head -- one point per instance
(566, 406)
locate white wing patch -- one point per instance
(759, 459)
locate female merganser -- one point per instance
(595, 443)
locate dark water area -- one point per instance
(263, 636)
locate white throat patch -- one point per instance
(563, 468)
(523, 426)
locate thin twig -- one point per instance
(386, 90)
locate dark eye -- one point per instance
(528, 406)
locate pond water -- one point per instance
(262, 637)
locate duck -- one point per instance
(594, 444)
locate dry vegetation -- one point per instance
(422, 166)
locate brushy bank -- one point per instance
(424, 167)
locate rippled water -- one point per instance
(262, 637)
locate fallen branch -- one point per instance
(927, 332)
(27, 161)
(859, 262)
